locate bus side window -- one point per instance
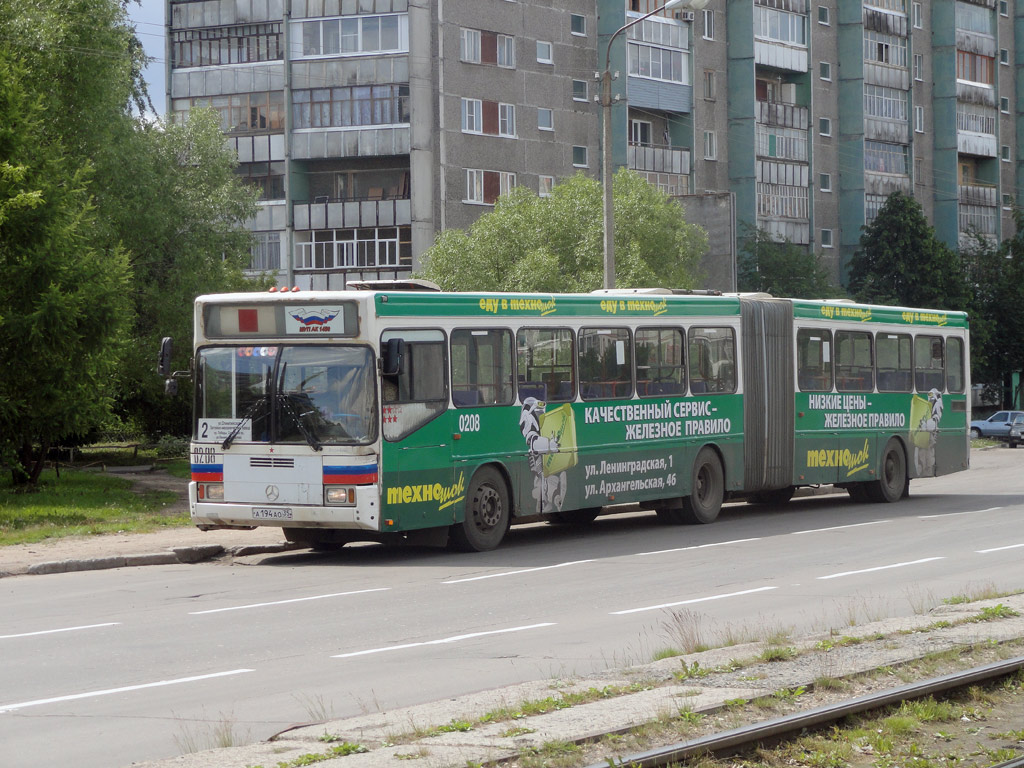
(954, 365)
(418, 393)
(894, 361)
(481, 367)
(712, 355)
(814, 360)
(659, 362)
(854, 363)
(605, 364)
(929, 363)
(545, 360)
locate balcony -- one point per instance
(325, 213)
(783, 114)
(977, 194)
(658, 158)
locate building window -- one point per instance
(975, 18)
(882, 157)
(351, 35)
(823, 15)
(226, 45)
(579, 157)
(472, 112)
(1004, 153)
(267, 178)
(351, 106)
(353, 248)
(265, 252)
(975, 68)
(545, 119)
(709, 24)
(1004, 105)
(885, 49)
(1004, 8)
(1004, 57)
(781, 143)
(916, 8)
(240, 113)
(577, 24)
(544, 52)
(656, 50)
(507, 120)
(919, 171)
(1007, 202)
(640, 132)
(886, 103)
(919, 119)
(710, 83)
(506, 182)
(825, 126)
(785, 201)
(579, 90)
(779, 26)
(544, 185)
(826, 238)
(469, 46)
(710, 145)
(825, 182)
(825, 70)
(919, 66)
(872, 205)
(474, 186)
(506, 51)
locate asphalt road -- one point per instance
(103, 668)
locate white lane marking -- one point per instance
(516, 573)
(63, 629)
(951, 514)
(453, 639)
(880, 568)
(839, 527)
(998, 549)
(694, 600)
(291, 600)
(698, 546)
(124, 689)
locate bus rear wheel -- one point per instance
(892, 475)
(707, 491)
(487, 513)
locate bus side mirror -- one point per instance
(391, 360)
(163, 364)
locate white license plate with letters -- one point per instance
(265, 513)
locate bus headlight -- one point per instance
(339, 494)
(210, 491)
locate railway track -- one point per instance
(747, 737)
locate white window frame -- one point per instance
(918, 119)
(572, 20)
(709, 24)
(710, 145)
(826, 234)
(1003, 100)
(472, 116)
(544, 185)
(824, 182)
(1004, 57)
(506, 54)
(506, 182)
(919, 66)
(1004, 153)
(1004, 8)
(586, 156)
(550, 52)
(918, 15)
(586, 91)
(551, 119)
(827, 20)
(636, 130)
(507, 120)
(823, 67)
(469, 45)
(474, 186)
(826, 124)
(710, 85)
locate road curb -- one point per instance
(176, 556)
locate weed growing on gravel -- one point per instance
(778, 653)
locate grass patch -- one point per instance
(78, 504)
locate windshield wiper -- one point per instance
(247, 416)
(299, 419)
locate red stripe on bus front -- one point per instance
(351, 479)
(208, 476)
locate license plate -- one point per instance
(264, 513)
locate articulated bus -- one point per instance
(399, 413)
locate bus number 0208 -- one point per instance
(469, 422)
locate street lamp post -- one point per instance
(606, 113)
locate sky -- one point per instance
(149, 25)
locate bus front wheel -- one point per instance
(892, 475)
(487, 513)
(707, 491)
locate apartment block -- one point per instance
(369, 126)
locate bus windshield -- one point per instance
(287, 394)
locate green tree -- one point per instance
(62, 299)
(783, 269)
(554, 244)
(901, 261)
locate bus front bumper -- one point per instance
(364, 515)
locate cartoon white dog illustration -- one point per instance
(924, 455)
(549, 492)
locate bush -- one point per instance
(171, 447)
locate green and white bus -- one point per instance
(395, 412)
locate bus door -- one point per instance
(418, 486)
(817, 438)
(484, 425)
